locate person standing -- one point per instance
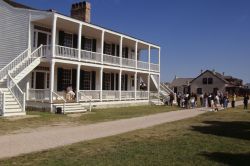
(202, 100)
(246, 98)
(233, 100)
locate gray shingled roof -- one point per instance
(180, 82)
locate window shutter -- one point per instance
(61, 38)
(126, 82)
(93, 80)
(59, 79)
(117, 81)
(75, 40)
(83, 42)
(126, 52)
(94, 45)
(81, 79)
(112, 81)
(74, 79)
(113, 49)
(117, 50)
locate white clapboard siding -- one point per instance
(13, 33)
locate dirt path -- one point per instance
(51, 137)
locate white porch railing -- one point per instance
(26, 62)
(46, 51)
(128, 95)
(89, 56)
(94, 95)
(85, 98)
(39, 94)
(16, 91)
(142, 95)
(66, 52)
(112, 60)
(4, 71)
(154, 67)
(2, 102)
(128, 62)
(142, 65)
(110, 95)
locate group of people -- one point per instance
(212, 100)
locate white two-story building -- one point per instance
(44, 53)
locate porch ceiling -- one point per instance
(47, 22)
(67, 26)
(91, 32)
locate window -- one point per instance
(106, 81)
(210, 81)
(66, 78)
(199, 91)
(88, 44)
(34, 39)
(204, 80)
(68, 40)
(107, 49)
(87, 80)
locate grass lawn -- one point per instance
(100, 115)
(214, 138)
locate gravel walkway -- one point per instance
(22, 143)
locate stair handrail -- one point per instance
(88, 99)
(19, 98)
(10, 66)
(2, 102)
(60, 97)
(35, 54)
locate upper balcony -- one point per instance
(74, 40)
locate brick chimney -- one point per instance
(81, 11)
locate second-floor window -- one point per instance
(210, 80)
(68, 40)
(107, 49)
(207, 81)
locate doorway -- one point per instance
(41, 39)
(40, 80)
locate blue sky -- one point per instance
(193, 34)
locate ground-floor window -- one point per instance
(106, 81)
(199, 91)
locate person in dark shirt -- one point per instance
(246, 98)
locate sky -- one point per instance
(194, 35)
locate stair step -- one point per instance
(8, 114)
(75, 111)
(10, 110)
(16, 106)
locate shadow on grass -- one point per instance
(234, 129)
(229, 158)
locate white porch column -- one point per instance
(53, 43)
(135, 83)
(79, 41)
(27, 89)
(159, 62)
(51, 83)
(120, 52)
(78, 81)
(136, 56)
(149, 57)
(120, 85)
(102, 45)
(148, 85)
(101, 80)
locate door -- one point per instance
(41, 39)
(40, 80)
